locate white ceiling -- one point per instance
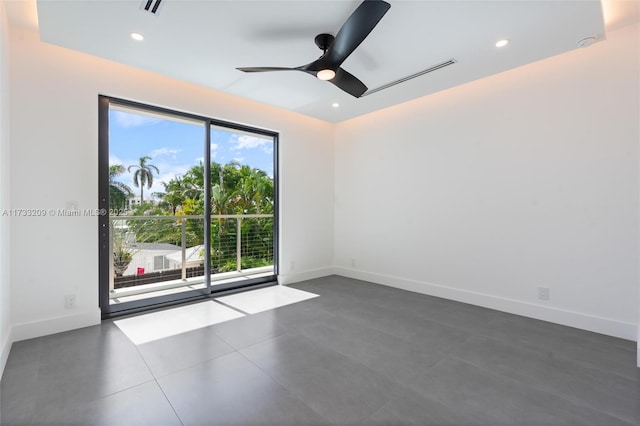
(204, 41)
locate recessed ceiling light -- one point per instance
(502, 43)
(335, 105)
(137, 36)
(587, 41)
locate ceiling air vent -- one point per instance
(418, 74)
(151, 6)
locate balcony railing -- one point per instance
(146, 250)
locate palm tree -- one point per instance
(221, 201)
(221, 204)
(143, 175)
(118, 191)
(177, 191)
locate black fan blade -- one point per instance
(359, 25)
(265, 69)
(347, 82)
(361, 22)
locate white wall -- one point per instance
(54, 141)
(5, 290)
(486, 191)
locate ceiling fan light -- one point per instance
(326, 74)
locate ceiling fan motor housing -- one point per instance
(323, 41)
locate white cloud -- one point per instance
(126, 120)
(214, 150)
(238, 159)
(164, 151)
(251, 142)
(199, 160)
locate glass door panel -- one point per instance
(156, 194)
(242, 206)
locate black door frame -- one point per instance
(124, 308)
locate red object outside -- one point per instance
(140, 271)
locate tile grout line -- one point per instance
(296, 333)
(231, 307)
(155, 379)
(290, 392)
(168, 400)
(234, 349)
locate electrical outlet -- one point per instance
(292, 265)
(543, 293)
(69, 301)
(353, 262)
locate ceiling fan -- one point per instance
(337, 49)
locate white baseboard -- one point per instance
(5, 347)
(291, 278)
(30, 330)
(579, 320)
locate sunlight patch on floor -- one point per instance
(263, 299)
(157, 325)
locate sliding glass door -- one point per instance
(189, 206)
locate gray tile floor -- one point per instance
(358, 354)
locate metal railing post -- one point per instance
(239, 246)
(184, 249)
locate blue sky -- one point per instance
(176, 146)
